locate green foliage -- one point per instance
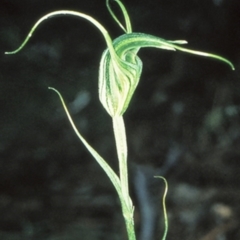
(119, 73)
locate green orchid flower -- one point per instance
(119, 73)
(120, 67)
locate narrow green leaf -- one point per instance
(164, 206)
(110, 173)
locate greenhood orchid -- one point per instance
(120, 67)
(119, 73)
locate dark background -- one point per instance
(183, 122)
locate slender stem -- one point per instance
(121, 144)
(121, 184)
(130, 229)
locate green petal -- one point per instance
(128, 28)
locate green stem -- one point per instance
(121, 144)
(130, 229)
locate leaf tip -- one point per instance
(53, 89)
(8, 53)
